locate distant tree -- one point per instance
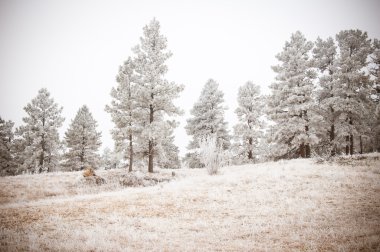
(155, 94)
(38, 140)
(125, 113)
(111, 159)
(7, 163)
(247, 131)
(207, 119)
(169, 153)
(290, 104)
(107, 159)
(353, 86)
(82, 141)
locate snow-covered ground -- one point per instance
(277, 206)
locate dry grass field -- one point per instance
(294, 205)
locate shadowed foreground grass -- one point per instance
(287, 205)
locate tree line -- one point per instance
(324, 101)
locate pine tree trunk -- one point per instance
(82, 152)
(81, 159)
(302, 150)
(41, 162)
(130, 153)
(308, 151)
(361, 144)
(307, 146)
(332, 138)
(42, 156)
(351, 140)
(250, 154)
(150, 156)
(351, 144)
(49, 163)
(150, 147)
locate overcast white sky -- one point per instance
(74, 47)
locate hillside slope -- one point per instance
(285, 205)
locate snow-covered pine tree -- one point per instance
(111, 159)
(290, 103)
(375, 72)
(82, 141)
(353, 86)
(207, 119)
(155, 94)
(7, 164)
(248, 131)
(107, 158)
(169, 153)
(38, 143)
(125, 113)
(22, 139)
(375, 68)
(325, 60)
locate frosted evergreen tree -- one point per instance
(125, 113)
(375, 69)
(207, 120)
(82, 141)
(169, 153)
(155, 94)
(353, 86)
(325, 60)
(7, 164)
(291, 101)
(107, 158)
(39, 143)
(375, 72)
(248, 131)
(111, 159)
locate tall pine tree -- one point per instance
(39, 144)
(155, 94)
(82, 141)
(7, 164)
(125, 113)
(325, 60)
(290, 104)
(375, 72)
(353, 86)
(207, 120)
(168, 156)
(248, 131)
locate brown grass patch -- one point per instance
(284, 206)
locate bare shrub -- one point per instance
(88, 172)
(211, 154)
(137, 179)
(92, 178)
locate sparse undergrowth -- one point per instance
(292, 205)
(136, 179)
(354, 160)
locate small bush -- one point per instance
(137, 179)
(92, 178)
(88, 172)
(211, 154)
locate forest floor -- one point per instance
(294, 205)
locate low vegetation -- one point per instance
(288, 205)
